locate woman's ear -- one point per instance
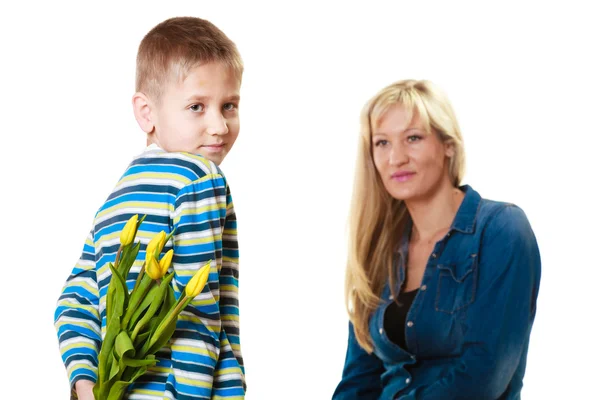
(449, 149)
(142, 109)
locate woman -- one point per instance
(441, 284)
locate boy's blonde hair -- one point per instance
(175, 46)
(377, 220)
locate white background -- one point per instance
(523, 78)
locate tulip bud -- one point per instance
(153, 269)
(196, 284)
(155, 246)
(128, 232)
(165, 262)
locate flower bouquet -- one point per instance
(140, 322)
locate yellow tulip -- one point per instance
(196, 284)
(156, 245)
(165, 262)
(153, 269)
(128, 232)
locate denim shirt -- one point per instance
(467, 331)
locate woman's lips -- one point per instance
(402, 176)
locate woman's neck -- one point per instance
(434, 215)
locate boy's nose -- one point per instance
(217, 125)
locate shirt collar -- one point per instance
(152, 146)
(464, 221)
(465, 218)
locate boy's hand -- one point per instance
(84, 389)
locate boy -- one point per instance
(187, 93)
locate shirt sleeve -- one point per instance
(500, 319)
(361, 377)
(199, 219)
(77, 319)
(230, 368)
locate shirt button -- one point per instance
(434, 255)
(413, 357)
(424, 287)
(409, 324)
(407, 381)
(381, 331)
(391, 297)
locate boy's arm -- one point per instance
(77, 319)
(84, 389)
(202, 357)
(229, 283)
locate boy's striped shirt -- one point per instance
(188, 194)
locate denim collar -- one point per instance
(464, 221)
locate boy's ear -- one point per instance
(143, 112)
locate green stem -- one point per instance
(110, 290)
(142, 322)
(140, 275)
(135, 300)
(127, 374)
(118, 256)
(179, 306)
(169, 236)
(137, 328)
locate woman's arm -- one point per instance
(362, 373)
(500, 319)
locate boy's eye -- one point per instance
(197, 107)
(379, 143)
(229, 107)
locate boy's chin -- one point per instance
(216, 158)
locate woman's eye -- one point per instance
(380, 143)
(413, 138)
(197, 108)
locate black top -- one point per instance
(394, 319)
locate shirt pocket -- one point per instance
(456, 285)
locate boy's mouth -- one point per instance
(217, 147)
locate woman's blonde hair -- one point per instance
(376, 218)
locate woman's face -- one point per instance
(412, 161)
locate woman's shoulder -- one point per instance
(502, 218)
